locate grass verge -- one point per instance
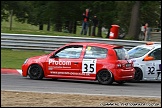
(15, 58)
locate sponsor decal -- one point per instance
(53, 67)
(160, 67)
(133, 60)
(54, 62)
(68, 73)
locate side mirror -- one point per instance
(148, 58)
(54, 56)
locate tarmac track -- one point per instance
(13, 81)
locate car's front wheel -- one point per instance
(105, 77)
(35, 72)
(138, 75)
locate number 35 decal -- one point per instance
(89, 66)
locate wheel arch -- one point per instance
(104, 69)
(141, 71)
(35, 64)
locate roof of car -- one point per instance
(147, 45)
(95, 44)
(150, 45)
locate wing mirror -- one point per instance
(54, 56)
(148, 58)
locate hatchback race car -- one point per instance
(147, 61)
(84, 61)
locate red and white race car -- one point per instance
(84, 61)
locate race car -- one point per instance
(147, 62)
(84, 61)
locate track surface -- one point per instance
(15, 82)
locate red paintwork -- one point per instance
(109, 63)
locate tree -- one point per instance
(123, 14)
(61, 13)
(13, 8)
(37, 12)
(4, 13)
(105, 11)
(134, 21)
(143, 12)
(150, 12)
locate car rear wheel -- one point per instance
(35, 72)
(105, 77)
(138, 75)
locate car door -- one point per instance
(153, 67)
(93, 60)
(65, 62)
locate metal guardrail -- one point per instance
(50, 43)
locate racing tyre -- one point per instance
(138, 75)
(105, 77)
(35, 72)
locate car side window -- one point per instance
(95, 52)
(73, 51)
(156, 54)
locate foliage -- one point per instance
(123, 14)
(57, 14)
(150, 12)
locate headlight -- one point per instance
(25, 61)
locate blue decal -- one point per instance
(160, 67)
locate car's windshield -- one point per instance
(137, 52)
(122, 53)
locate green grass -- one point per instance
(19, 28)
(15, 58)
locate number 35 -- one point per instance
(88, 67)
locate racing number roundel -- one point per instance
(150, 68)
(89, 66)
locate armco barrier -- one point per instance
(50, 43)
